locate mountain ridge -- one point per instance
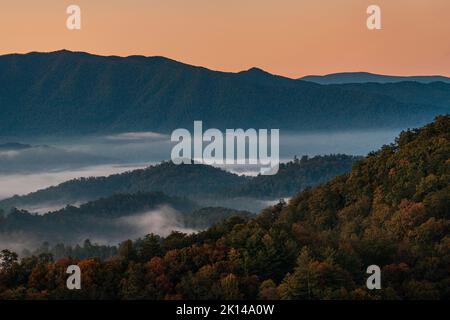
(69, 93)
(253, 69)
(365, 77)
(201, 183)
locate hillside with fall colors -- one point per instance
(391, 210)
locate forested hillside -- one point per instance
(391, 210)
(296, 175)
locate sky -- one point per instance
(287, 37)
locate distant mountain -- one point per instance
(73, 93)
(365, 77)
(204, 184)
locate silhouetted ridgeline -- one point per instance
(76, 93)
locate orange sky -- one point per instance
(288, 37)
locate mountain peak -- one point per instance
(255, 71)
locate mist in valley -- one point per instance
(161, 221)
(50, 161)
(25, 171)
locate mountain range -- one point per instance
(75, 93)
(365, 77)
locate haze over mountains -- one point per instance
(18, 158)
(391, 210)
(159, 199)
(72, 93)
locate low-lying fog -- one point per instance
(161, 220)
(39, 163)
(44, 162)
(20, 183)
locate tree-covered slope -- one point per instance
(391, 210)
(296, 175)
